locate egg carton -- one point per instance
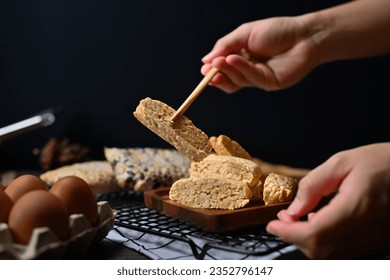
(44, 244)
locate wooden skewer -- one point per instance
(197, 91)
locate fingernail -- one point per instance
(205, 58)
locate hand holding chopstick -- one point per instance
(197, 91)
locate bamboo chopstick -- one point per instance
(197, 91)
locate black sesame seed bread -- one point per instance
(146, 168)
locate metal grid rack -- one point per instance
(133, 214)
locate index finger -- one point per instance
(319, 183)
(233, 42)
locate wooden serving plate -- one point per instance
(212, 220)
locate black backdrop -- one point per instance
(97, 59)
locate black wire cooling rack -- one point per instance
(133, 214)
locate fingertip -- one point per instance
(284, 216)
(206, 58)
(210, 56)
(218, 79)
(205, 69)
(294, 208)
(218, 50)
(233, 59)
(214, 81)
(275, 227)
(270, 227)
(219, 62)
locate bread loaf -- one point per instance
(98, 174)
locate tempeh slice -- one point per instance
(210, 193)
(223, 145)
(182, 134)
(227, 167)
(279, 189)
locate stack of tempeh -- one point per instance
(223, 175)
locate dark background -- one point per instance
(97, 59)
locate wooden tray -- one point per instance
(212, 220)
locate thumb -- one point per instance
(320, 182)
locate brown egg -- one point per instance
(5, 205)
(38, 209)
(77, 197)
(24, 184)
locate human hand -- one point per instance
(271, 54)
(356, 222)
